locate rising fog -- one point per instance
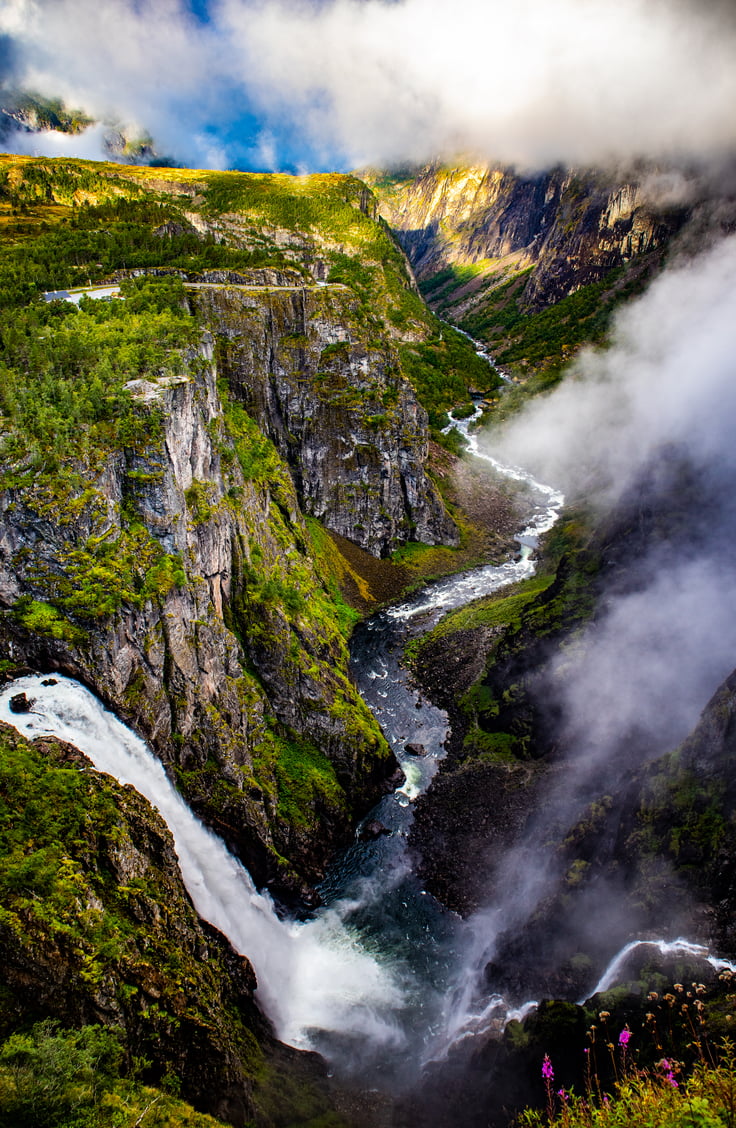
(656, 409)
(344, 83)
(668, 377)
(650, 417)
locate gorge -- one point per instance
(206, 484)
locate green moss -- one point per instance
(199, 497)
(45, 620)
(306, 782)
(338, 576)
(500, 610)
(100, 577)
(492, 747)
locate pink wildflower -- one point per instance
(547, 1071)
(623, 1038)
(667, 1073)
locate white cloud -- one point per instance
(668, 377)
(88, 145)
(533, 82)
(655, 411)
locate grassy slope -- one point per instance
(52, 242)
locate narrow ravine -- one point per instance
(370, 972)
(377, 980)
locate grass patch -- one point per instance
(306, 782)
(503, 609)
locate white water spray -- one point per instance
(679, 947)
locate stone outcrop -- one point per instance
(336, 405)
(236, 652)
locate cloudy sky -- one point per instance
(322, 84)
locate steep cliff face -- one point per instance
(485, 225)
(232, 663)
(337, 407)
(96, 927)
(165, 460)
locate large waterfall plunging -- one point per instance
(303, 982)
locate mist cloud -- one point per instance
(661, 396)
(669, 377)
(344, 83)
(654, 413)
(89, 145)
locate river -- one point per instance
(377, 979)
(370, 972)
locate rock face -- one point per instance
(234, 667)
(173, 560)
(567, 227)
(336, 406)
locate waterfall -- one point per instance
(383, 978)
(369, 975)
(679, 947)
(309, 975)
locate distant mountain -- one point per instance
(22, 112)
(533, 264)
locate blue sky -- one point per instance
(199, 9)
(300, 85)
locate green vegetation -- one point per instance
(92, 907)
(485, 736)
(65, 410)
(337, 575)
(511, 626)
(536, 346)
(93, 241)
(660, 1068)
(63, 372)
(326, 202)
(35, 615)
(63, 833)
(307, 784)
(257, 457)
(653, 1098)
(441, 288)
(52, 1077)
(71, 223)
(548, 338)
(503, 609)
(444, 371)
